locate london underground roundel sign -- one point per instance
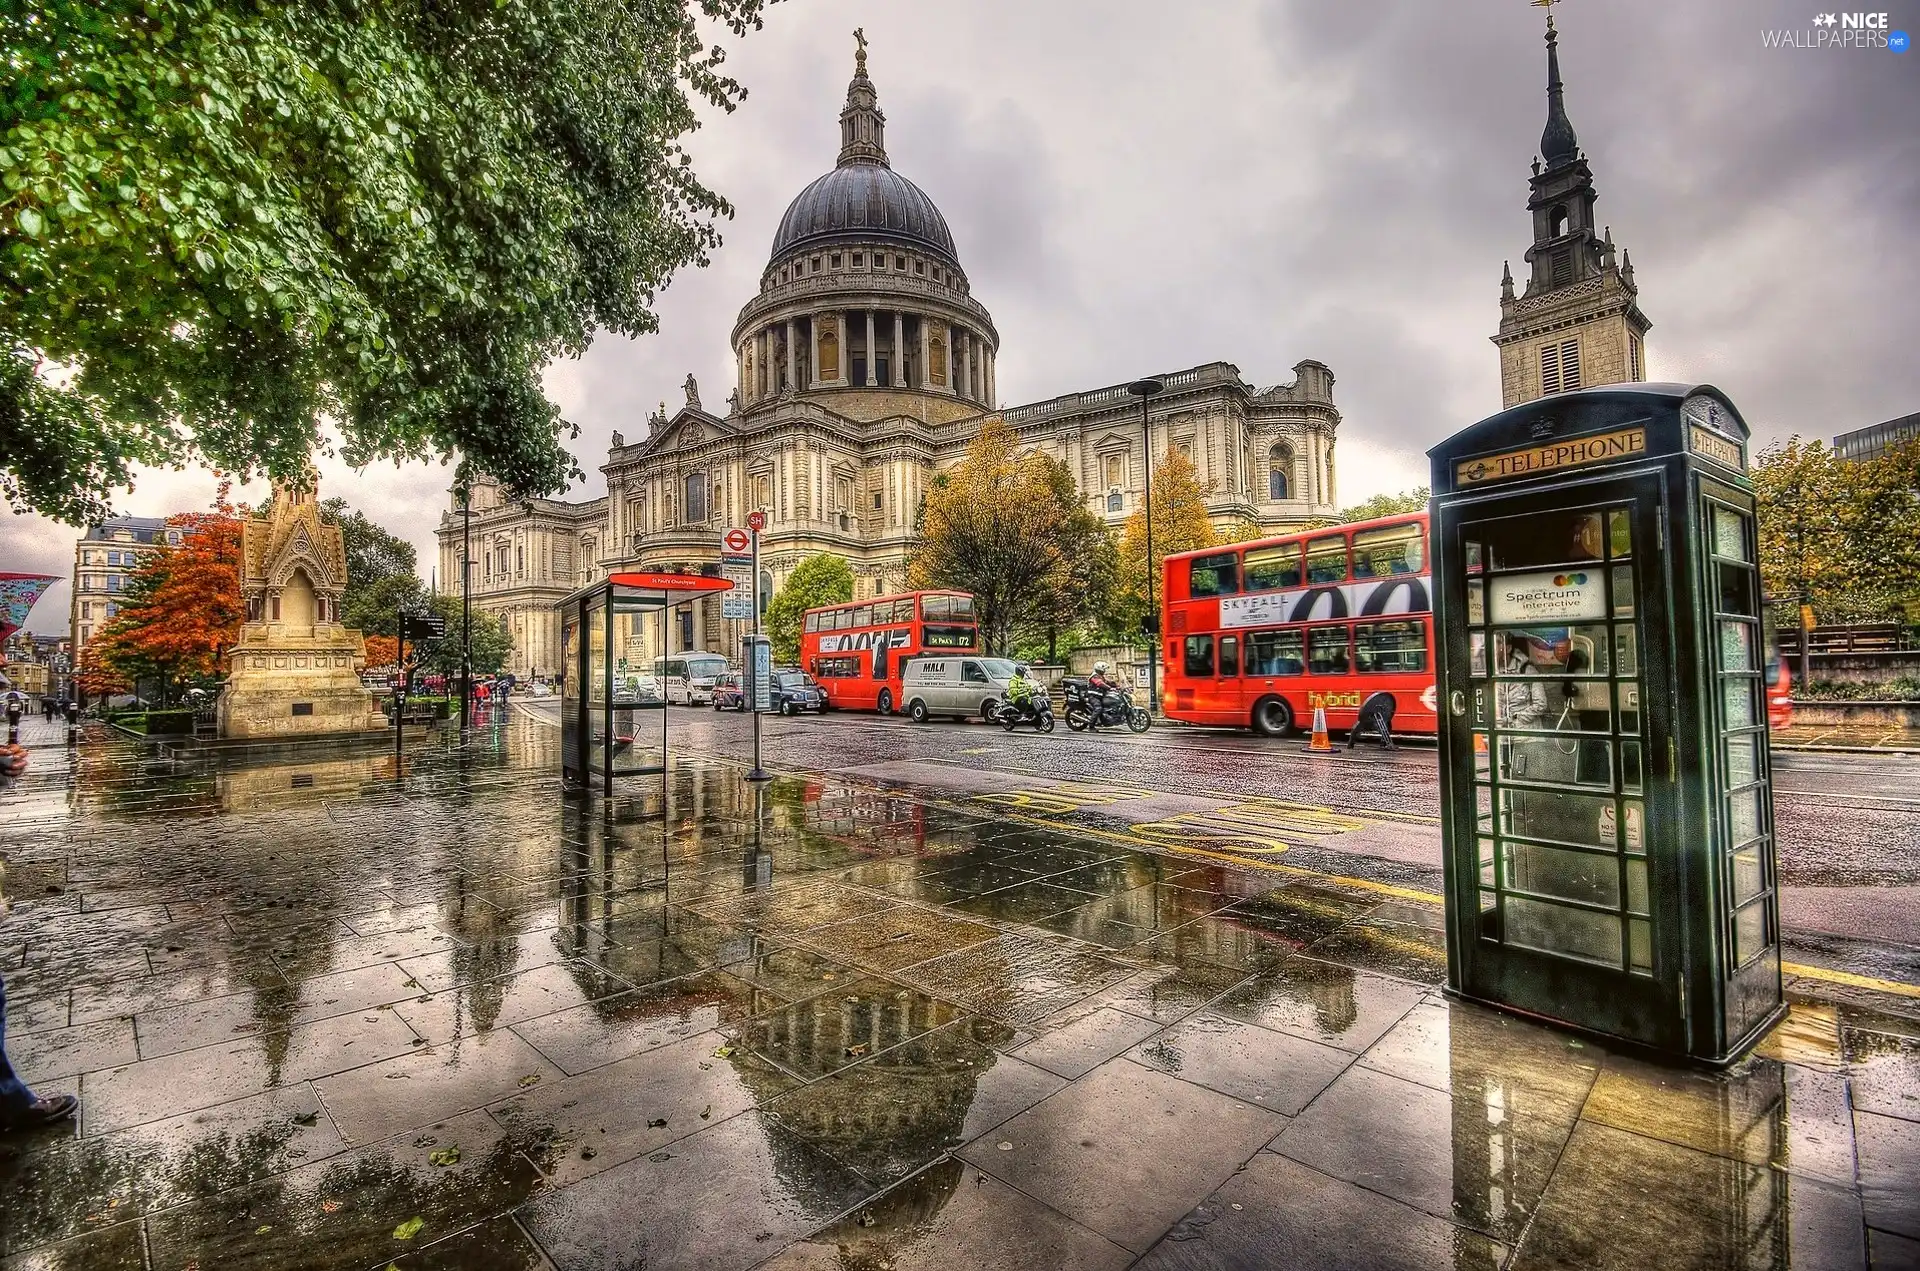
(737, 542)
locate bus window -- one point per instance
(1327, 650)
(936, 606)
(962, 606)
(1273, 653)
(1199, 659)
(1213, 575)
(836, 668)
(863, 616)
(1387, 553)
(1327, 560)
(1390, 646)
(813, 622)
(1272, 568)
(1229, 655)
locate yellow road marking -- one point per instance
(1851, 980)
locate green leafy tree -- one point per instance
(492, 642)
(373, 552)
(1841, 536)
(1180, 524)
(1068, 602)
(823, 579)
(996, 525)
(1414, 500)
(221, 222)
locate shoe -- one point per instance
(43, 1112)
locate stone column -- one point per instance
(813, 347)
(966, 364)
(926, 352)
(873, 362)
(899, 341)
(793, 357)
(840, 328)
(992, 395)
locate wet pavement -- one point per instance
(327, 1010)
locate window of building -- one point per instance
(1116, 502)
(1557, 222)
(113, 582)
(1198, 657)
(520, 561)
(1327, 560)
(835, 260)
(842, 494)
(1215, 575)
(878, 501)
(1387, 553)
(1280, 472)
(919, 266)
(1562, 266)
(1115, 471)
(1560, 367)
(859, 259)
(1327, 650)
(1274, 652)
(1184, 450)
(696, 498)
(1633, 357)
(899, 262)
(816, 264)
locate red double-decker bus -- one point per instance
(1256, 635)
(856, 650)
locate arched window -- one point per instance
(937, 360)
(829, 341)
(696, 497)
(1557, 222)
(1280, 472)
(766, 591)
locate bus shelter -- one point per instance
(613, 710)
(1606, 788)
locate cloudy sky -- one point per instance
(1261, 181)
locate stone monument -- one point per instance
(295, 671)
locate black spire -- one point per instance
(1558, 145)
(863, 129)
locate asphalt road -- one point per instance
(1848, 825)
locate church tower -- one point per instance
(1578, 323)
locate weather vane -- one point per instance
(1548, 6)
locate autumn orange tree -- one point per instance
(1180, 524)
(181, 613)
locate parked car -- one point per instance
(795, 691)
(959, 687)
(728, 693)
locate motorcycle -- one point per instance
(1037, 711)
(1115, 708)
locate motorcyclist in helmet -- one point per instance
(1100, 687)
(1020, 691)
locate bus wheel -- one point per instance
(885, 704)
(917, 711)
(1272, 717)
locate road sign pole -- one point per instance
(399, 685)
(753, 583)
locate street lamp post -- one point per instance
(466, 605)
(1145, 389)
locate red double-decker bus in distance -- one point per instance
(856, 650)
(1256, 635)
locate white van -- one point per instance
(954, 686)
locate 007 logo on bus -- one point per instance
(1380, 598)
(859, 641)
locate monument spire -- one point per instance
(1558, 144)
(863, 129)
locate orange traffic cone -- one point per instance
(1321, 743)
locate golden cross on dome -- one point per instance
(860, 54)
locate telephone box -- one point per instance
(1606, 793)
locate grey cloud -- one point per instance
(1134, 190)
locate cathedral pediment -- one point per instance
(691, 427)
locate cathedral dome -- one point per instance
(867, 201)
